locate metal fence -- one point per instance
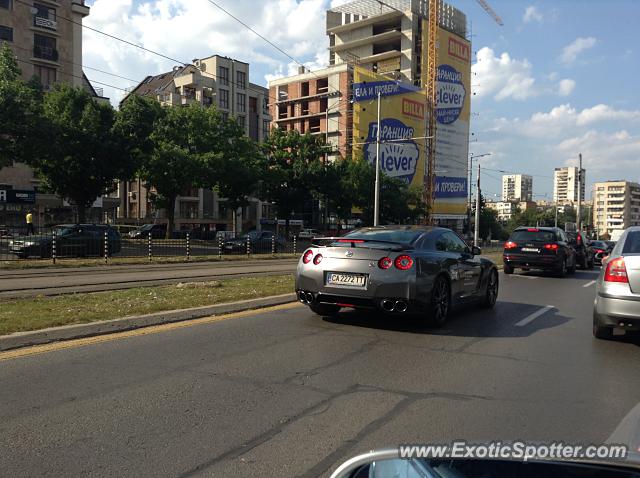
(104, 243)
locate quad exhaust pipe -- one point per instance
(305, 297)
(392, 305)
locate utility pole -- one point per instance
(476, 233)
(578, 221)
(376, 194)
(556, 223)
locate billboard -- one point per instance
(453, 90)
(402, 125)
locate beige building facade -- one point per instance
(215, 80)
(616, 206)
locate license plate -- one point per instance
(354, 280)
(529, 249)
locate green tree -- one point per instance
(84, 155)
(135, 122)
(236, 172)
(181, 155)
(292, 161)
(23, 134)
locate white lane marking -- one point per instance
(589, 284)
(530, 318)
(526, 277)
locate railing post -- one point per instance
(149, 244)
(220, 247)
(188, 248)
(106, 246)
(294, 244)
(53, 246)
(248, 246)
(273, 245)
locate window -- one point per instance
(242, 121)
(225, 116)
(253, 105)
(44, 17)
(265, 127)
(223, 75)
(241, 102)
(449, 242)
(6, 33)
(5, 4)
(190, 92)
(632, 243)
(47, 75)
(224, 99)
(44, 47)
(241, 79)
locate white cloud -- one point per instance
(572, 50)
(186, 29)
(532, 14)
(566, 87)
(603, 112)
(503, 76)
(610, 155)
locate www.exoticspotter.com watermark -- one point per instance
(516, 450)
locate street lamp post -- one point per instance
(469, 186)
(376, 194)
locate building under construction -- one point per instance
(378, 42)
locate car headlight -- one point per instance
(29, 243)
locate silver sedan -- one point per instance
(396, 270)
(617, 303)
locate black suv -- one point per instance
(584, 252)
(157, 231)
(545, 248)
(72, 240)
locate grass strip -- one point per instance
(19, 315)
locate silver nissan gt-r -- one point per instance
(397, 270)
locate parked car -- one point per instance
(158, 231)
(584, 252)
(543, 248)
(398, 270)
(260, 242)
(617, 303)
(600, 250)
(307, 234)
(72, 240)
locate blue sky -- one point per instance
(559, 78)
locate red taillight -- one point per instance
(385, 263)
(403, 262)
(551, 247)
(510, 245)
(318, 259)
(598, 251)
(616, 271)
(578, 239)
(533, 229)
(306, 258)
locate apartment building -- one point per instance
(506, 209)
(46, 39)
(616, 206)
(517, 187)
(386, 37)
(316, 103)
(565, 185)
(215, 80)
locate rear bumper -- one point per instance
(533, 262)
(617, 312)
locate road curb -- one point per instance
(77, 331)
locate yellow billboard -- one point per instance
(402, 125)
(453, 110)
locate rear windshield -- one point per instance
(541, 236)
(402, 237)
(632, 243)
(598, 244)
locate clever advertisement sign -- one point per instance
(452, 116)
(402, 125)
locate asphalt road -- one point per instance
(52, 281)
(287, 393)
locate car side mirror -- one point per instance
(476, 251)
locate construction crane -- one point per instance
(489, 10)
(431, 99)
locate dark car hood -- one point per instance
(39, 239)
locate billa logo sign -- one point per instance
(415, 109)
(459, 50)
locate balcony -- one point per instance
(45, 53)
(43, 22)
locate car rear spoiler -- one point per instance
(325, 241)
